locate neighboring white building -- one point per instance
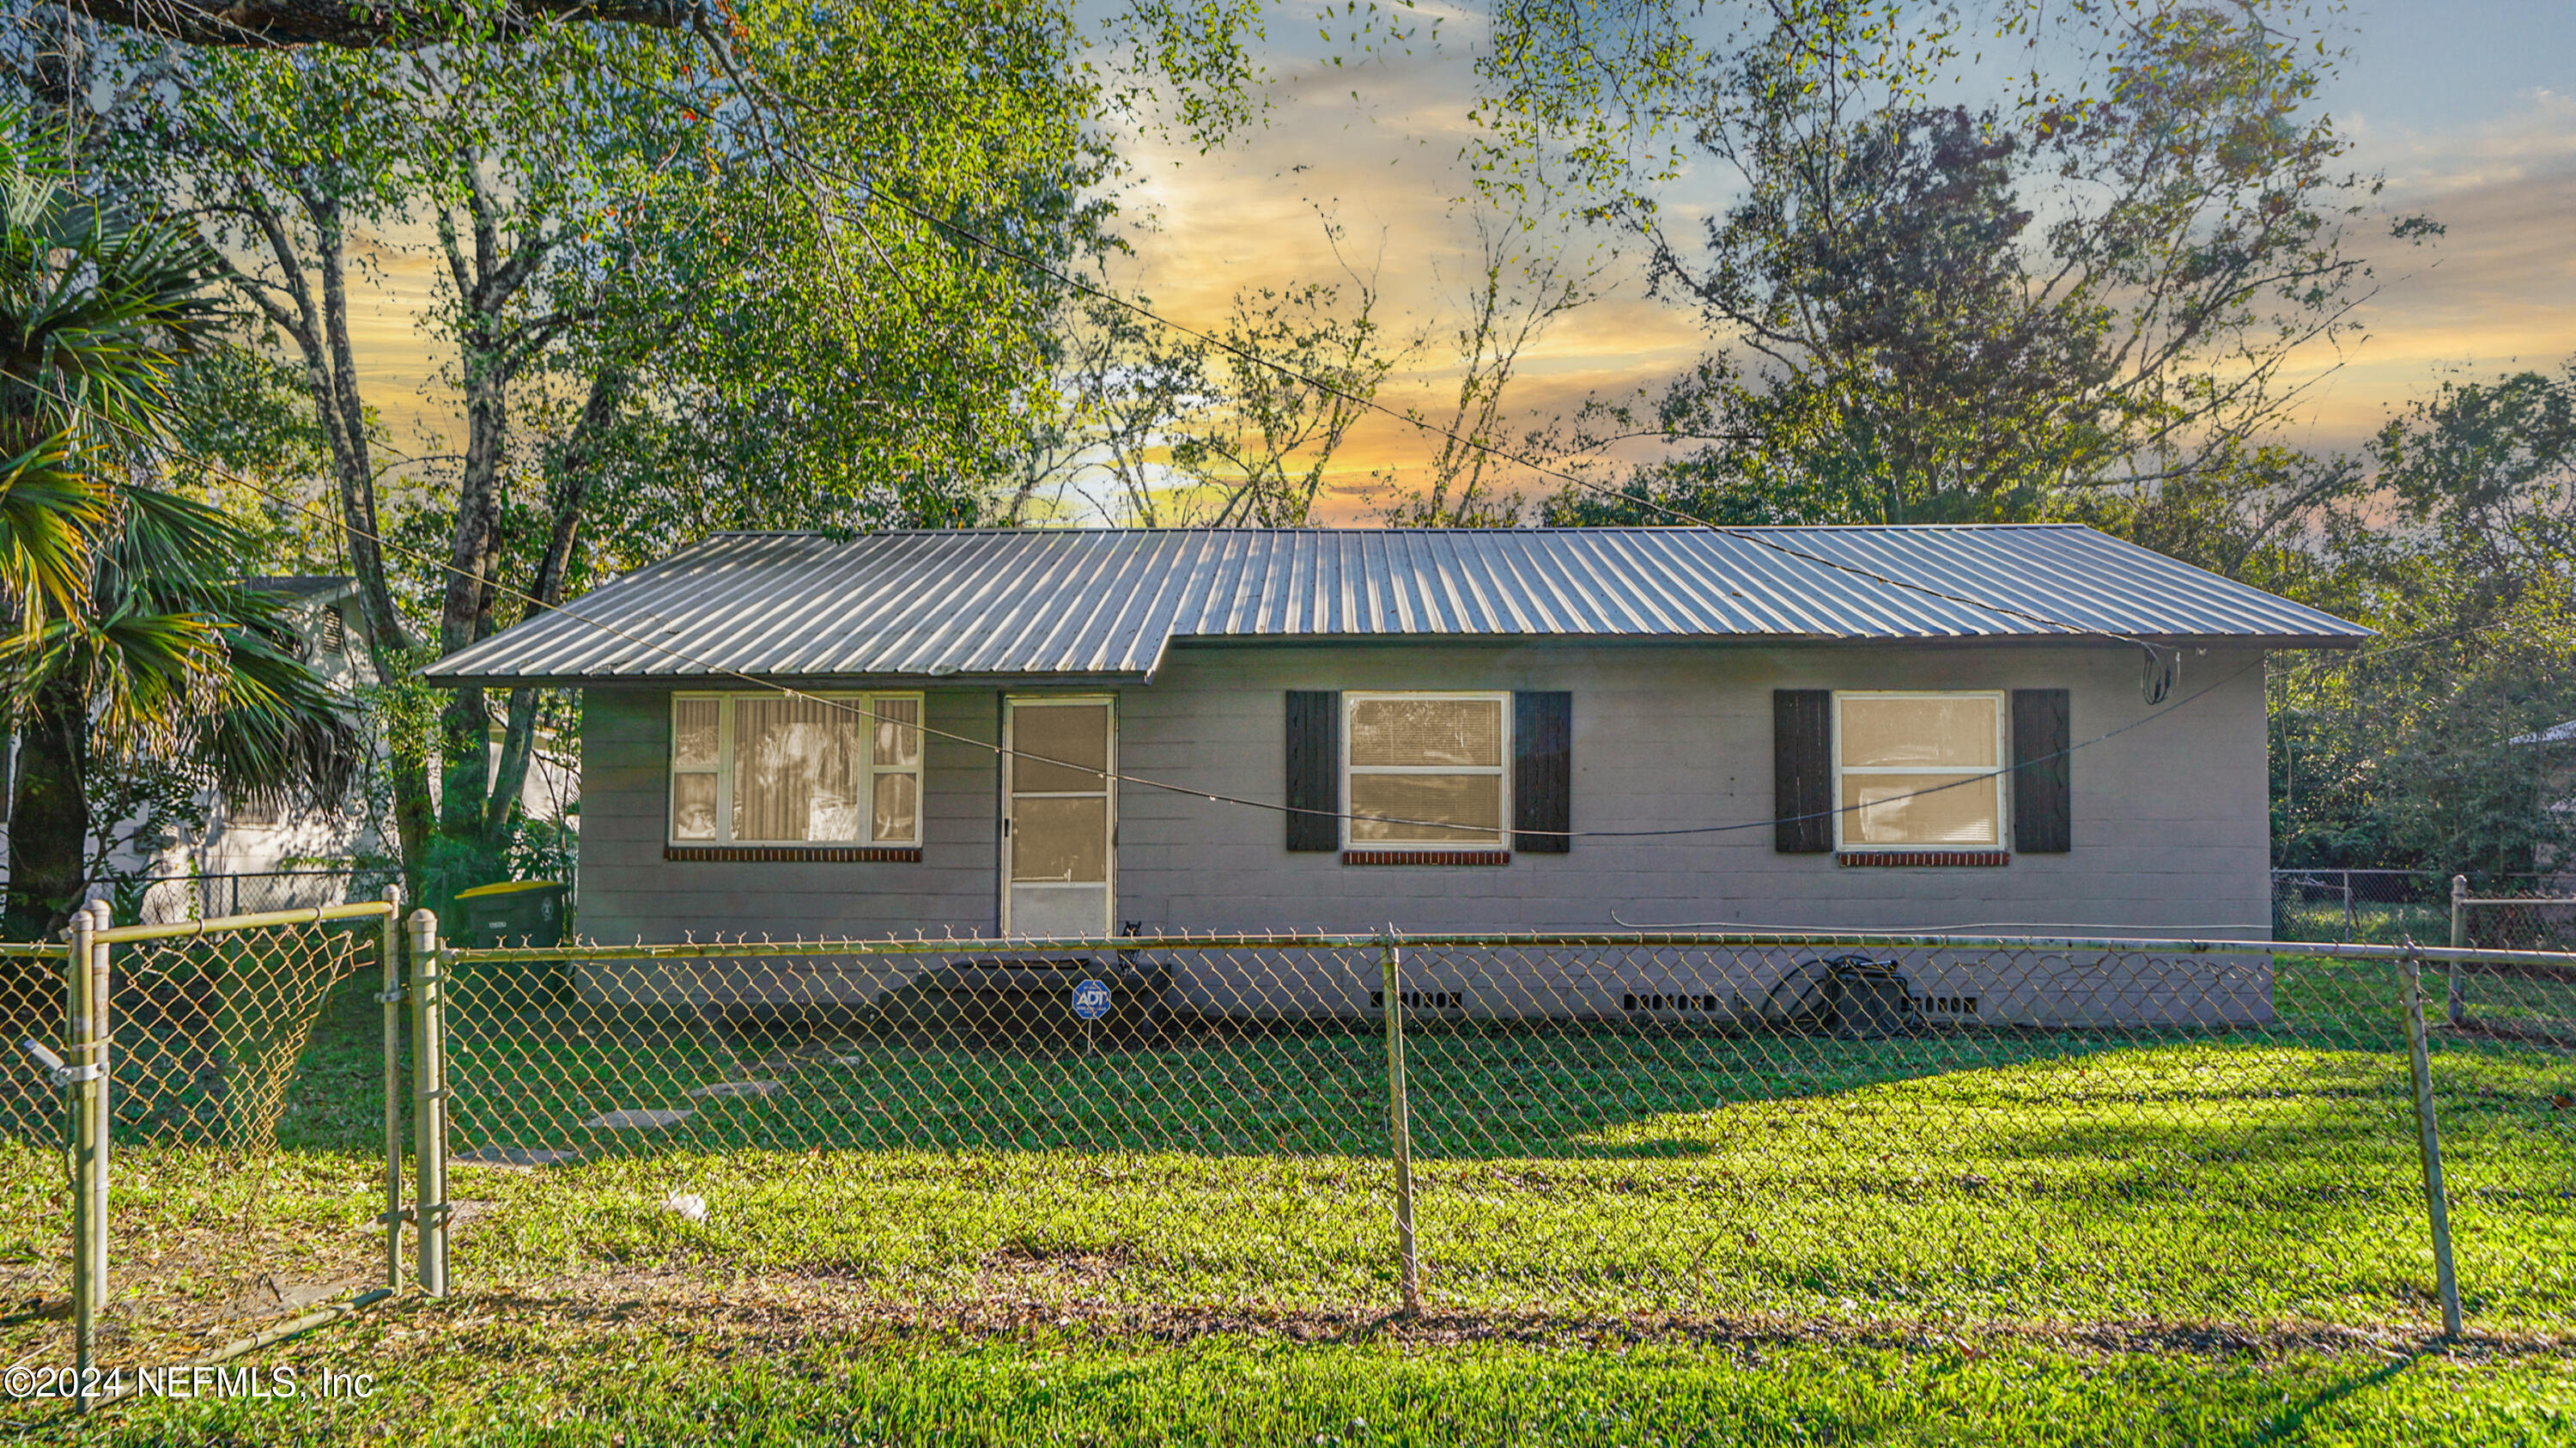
(2557, 769)
(256, 857)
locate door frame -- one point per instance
(1011, 704)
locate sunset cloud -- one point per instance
(1376, 149)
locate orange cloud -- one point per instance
(2499, 290)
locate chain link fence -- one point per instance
(173, 899)
(2534, 919)
(2392, 906)
(1870, 1130)
(1867, 1129)
(155, 1067)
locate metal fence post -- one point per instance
(102, 1032)
(81, 1029)
(389, 945)
(429, 1104)
(1399, 1121)
(2456, 1006)
(2437, 1202)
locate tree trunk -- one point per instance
(465, 612)
(319, 328)
(49, 817)
(573, 471)
(271, 24)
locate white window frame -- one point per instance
(866, 811)
(1502, 771)
(1995, 781)
(1012, 795)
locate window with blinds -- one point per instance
(1426, 769)
(754, 769)
(1915, 769)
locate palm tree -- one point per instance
(128, 635)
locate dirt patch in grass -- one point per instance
(804, 1306)
(1058, 1268)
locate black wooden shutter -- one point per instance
(2043, 812)
(1802, 771)
(1543, 772)
(1314, 767)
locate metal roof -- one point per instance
(1023, 602)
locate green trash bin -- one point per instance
(514, 912)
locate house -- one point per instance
(1073, 733)
(260, 849)
(222, 856)
(2554, 765)
(204, 855)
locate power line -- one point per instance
(1000, 751)
(2167, 656)
(2156, 692)
(873, 192)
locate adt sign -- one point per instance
(1091, 1000)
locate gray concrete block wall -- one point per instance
(628, 891)
(2171, 818)
(2171, 826)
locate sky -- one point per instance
(2467, 107)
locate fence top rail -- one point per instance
(2517, 900)
(947, 945)
(310, 915)
(29, 949)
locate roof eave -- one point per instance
(753, 679)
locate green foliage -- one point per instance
(2079, 302)
(2465, 559)
(1937, 313)
(689, 278)
(95, 310)
(136, 648)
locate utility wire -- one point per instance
(2166, 655)
(1000, 750)
(870, 191)
(1758, 536)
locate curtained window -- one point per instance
(789, 769)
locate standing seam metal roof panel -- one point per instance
(1109, 602)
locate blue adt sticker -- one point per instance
(1091, 1000)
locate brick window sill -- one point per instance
(1945, 859)
(797, 854)
(1426, 857)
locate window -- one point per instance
(1917, 769)
(774, 769)
(1428, 767)
(252, 814)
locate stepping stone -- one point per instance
(643, 1118)
(734, 1088)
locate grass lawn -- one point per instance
(2024, 1237)
(498, 1371)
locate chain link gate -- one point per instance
(1845, 1127)
(164, 1055)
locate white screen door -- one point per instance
(1059, 830)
